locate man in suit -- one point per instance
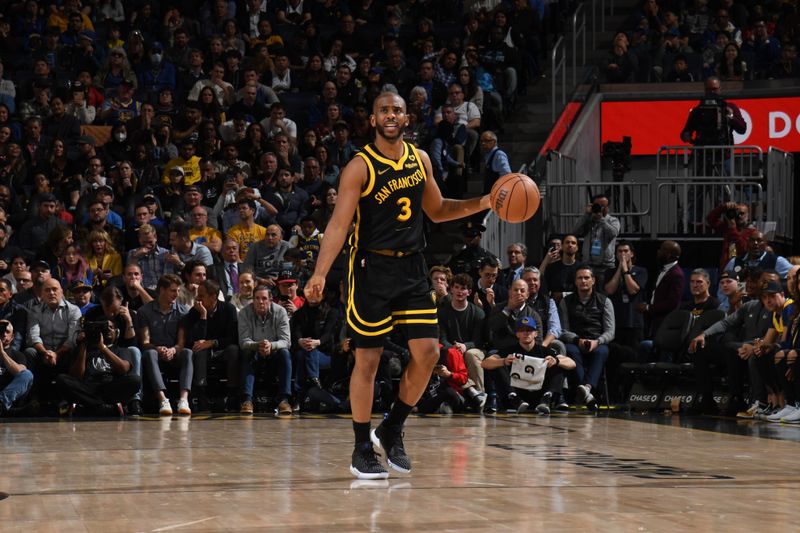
(517, 254)
(667, 290)
(226, 272)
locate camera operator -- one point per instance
(726, 118)
(711, 123)
(732, 221)
(99, 377)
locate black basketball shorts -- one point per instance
(383, 293)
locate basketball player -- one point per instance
(387, 186)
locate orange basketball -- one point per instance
(515, 197)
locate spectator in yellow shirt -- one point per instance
(189, 162)
(201, 232)
(246, 232)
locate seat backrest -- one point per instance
(673, 333)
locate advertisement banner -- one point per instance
(655, 123)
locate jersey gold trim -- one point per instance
(370, 175)
(397, 165)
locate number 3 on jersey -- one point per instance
(405, 209)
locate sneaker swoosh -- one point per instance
(384, 171)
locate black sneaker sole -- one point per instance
(377, 443)
(368, 475)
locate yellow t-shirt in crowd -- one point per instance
(246, 237)
(205, 236)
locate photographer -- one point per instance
(732, 221)
(113, 309)
(599, 231)
(99, 377)
(15, 378)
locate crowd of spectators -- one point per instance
(167, 172)
(691, 40)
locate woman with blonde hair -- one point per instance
(104, 261)
(115, 71)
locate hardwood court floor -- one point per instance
(569, 473)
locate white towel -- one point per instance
(527, 372)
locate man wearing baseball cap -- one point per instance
(499, 366)
(81, 295)
(729, 287)
(189, 163)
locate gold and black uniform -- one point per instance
(387, 281)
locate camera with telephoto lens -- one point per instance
(93, 329)
(731, 213)
(597, 208)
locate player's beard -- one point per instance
(379, 129)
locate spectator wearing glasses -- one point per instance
(201, 232)
(495, 160)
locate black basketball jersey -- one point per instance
(389, 213)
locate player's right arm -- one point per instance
(351, 183)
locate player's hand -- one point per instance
(314, 287)
(550, 361)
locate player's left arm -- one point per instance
(441, 209)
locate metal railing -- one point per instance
(579, 34)
(561, 168)
(780, 193)
(579, 30)
(682, 206)
(709, 162)
(558, 66)
(630, 203)
(499, 234)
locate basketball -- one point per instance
(515, 197)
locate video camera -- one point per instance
(619, 154)
(93, 329)
(712, 122)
